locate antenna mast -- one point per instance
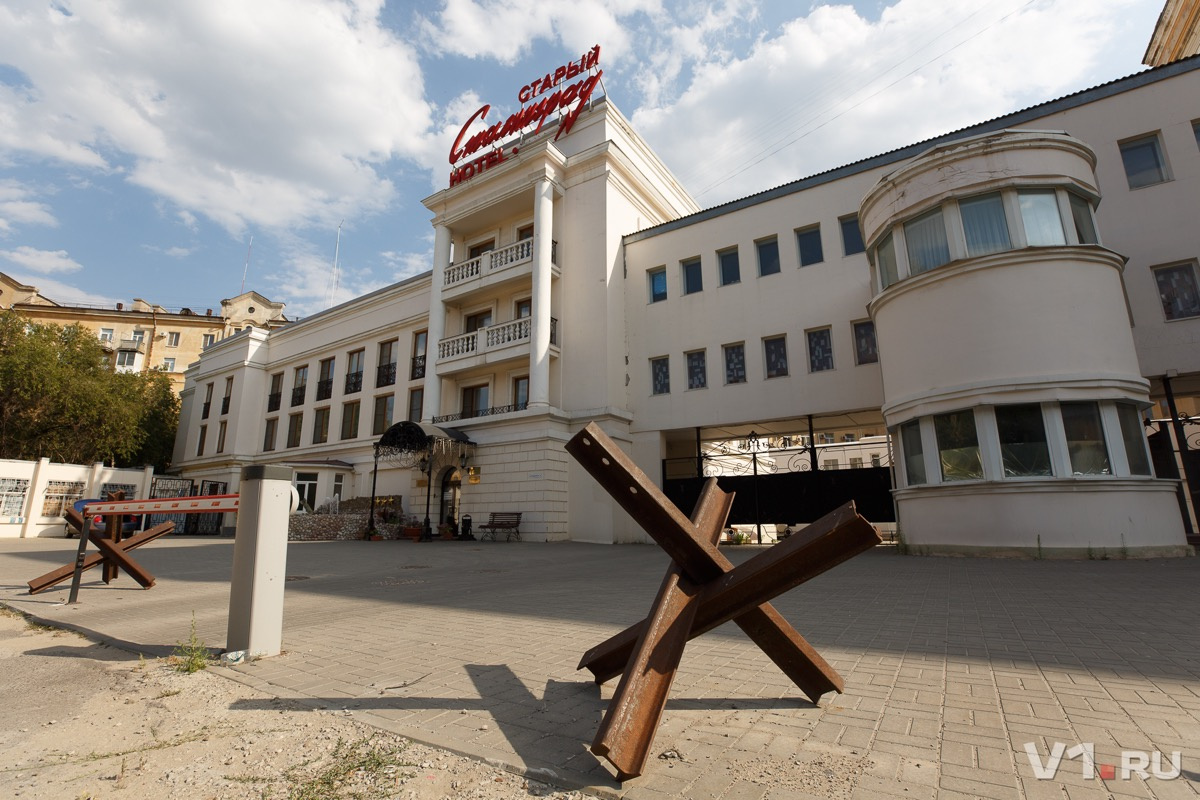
(336, 247)
(246, 268)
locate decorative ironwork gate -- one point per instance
(207, 524)
(169, 487)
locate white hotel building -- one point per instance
(1009, 301)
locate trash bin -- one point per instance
(465, 531)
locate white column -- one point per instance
(260, 561)
(539, 346)
(437, 324)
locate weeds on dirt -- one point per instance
(351, 766)
(192, 655)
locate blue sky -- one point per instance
(144, 143)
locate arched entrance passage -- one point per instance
(451, 496)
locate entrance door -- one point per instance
(451, 496)
(306, 487)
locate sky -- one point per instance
(180, 151)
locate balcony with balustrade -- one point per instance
(504, 341)
(493, 270)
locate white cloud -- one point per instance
(62, 293)
(274, 113)
(505, 29)
(43, 262)
(18, 207)
(833, 87)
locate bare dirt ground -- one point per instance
(83, 720)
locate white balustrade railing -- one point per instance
(506, 333)
(462, 345)
(507, 256)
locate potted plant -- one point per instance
(412, 528)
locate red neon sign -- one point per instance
(569, 100)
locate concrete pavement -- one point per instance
(951, 665)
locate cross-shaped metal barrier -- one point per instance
(114, 552)
(700, 591)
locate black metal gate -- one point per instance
(781, 488)
(206, 524)
(1167, 458)
(163, 488)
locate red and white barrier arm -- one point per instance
(202, 504)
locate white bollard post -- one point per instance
(267, 499)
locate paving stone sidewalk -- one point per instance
(951, 665)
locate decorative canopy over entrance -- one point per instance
(407, 443)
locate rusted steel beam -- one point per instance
(646, 503)
(115, 557)
(627, 730)
(55, 577)
(111, 535)
(827, 542)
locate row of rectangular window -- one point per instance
(729, 270)
(1024, 448)
(381, 420)
(775, 358)
(139, 335)
(385, 373)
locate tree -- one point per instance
(61, 399)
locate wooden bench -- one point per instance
(507, 521)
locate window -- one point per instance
(416, 404)
(276, 394)
(697, 370)
(126, 358)
(269, 431)
(200, 443)
(385, 365)
(295, 421)
(172, 338)
(731, 270)
(660, 375)
(478, 320)
(208, 340)
(693, 279)
(1179, 291)
(474, 401)
(354, 371)
(524, 308)
(820, 349)
(420, 338)
(169, 364)
(885, 260)
(221, 437)
(325, 379)
(1144, 162)
(856, 462)
(735, 363)
(985, 224)
(228, 395)
(524, 233)
(657, 279)
(139, 336)
(299, 384)
(1133, 434)
(350, 412)
(914, 453)
(808, 240)
(1196, 132)
(520, 393)
(830, 463)
(768, 256)
(106, 334)
(483, 247)
(207, 407)
(775, 350)
(958, 446)
(1085, 438)
(925, 237)
(1039, 214)
(865, 350)
(381, 419)
(321, 426)
(849, 437)
(852, 241)
(1023, 449)
(1081, 215)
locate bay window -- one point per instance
(985, 225)
(1039, 214)
(958, 446)
(1024, 451)
(1085, 438)
(914, 453)
(926, 240)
